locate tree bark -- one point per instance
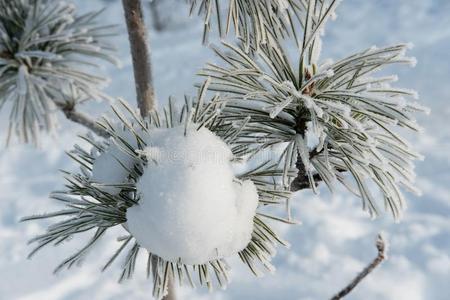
(140, 52)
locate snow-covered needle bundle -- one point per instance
(335, 118)
(169, 181)
(250, 19)
(43, 43)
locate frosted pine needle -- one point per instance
(354, 114)
(43, 43)
(96, 203)
(251, 20)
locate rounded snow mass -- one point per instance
(192, 209)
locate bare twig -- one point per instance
(140, 52)
(83, 119)
(381, 247)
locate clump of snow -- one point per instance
(192, 208)
(112, 166)
(313, 135)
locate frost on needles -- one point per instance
(46, 50)
(169, 182)
(354, 116)
(336, 122)
(191, 208)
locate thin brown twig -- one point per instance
(381, 247)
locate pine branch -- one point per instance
(96, 203)
(353, 114)
(381, 247)
(43, 48)
(140, 52)
(83, 119)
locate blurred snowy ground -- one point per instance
(336, 239)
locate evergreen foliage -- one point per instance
(354, 117)
(91, 207)
(251, 20)
(42, 45)
(334, 120)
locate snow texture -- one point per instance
(191, 208)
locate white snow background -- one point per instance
(336, 239)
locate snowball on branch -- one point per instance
(192, 208)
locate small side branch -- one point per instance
(83, 119)
(381, 247)
(140, 52)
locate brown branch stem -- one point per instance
(381, 247)
(302, 182)
(140, 52)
